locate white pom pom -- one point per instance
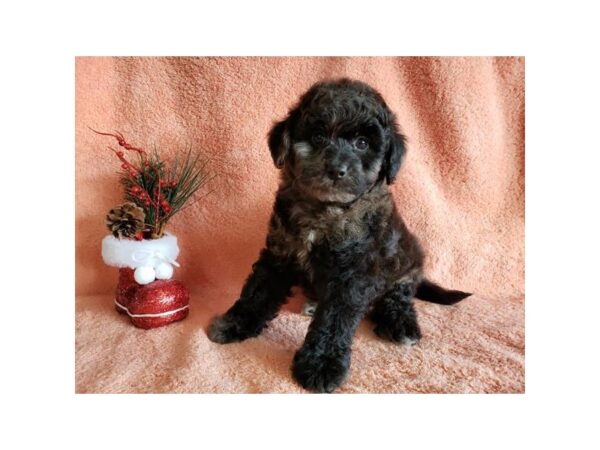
(164, 271)
(144, 275)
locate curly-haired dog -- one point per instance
(335, 231)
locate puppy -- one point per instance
(335, 232)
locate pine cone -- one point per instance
(126, 220)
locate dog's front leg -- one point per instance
(265, 290)
(321, 364)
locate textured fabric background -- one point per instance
(461, 190)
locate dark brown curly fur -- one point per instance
(335, 231)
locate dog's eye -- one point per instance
(319, 139)
(361, 143)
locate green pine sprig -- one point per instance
(160, 189)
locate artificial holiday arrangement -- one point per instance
(138, 243)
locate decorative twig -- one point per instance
(122, 142)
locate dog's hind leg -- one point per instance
(265, 290)
(395, 317)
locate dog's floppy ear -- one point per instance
(279, 142)
(394, 154)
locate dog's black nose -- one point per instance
(335, 173)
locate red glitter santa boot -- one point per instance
(146, 292)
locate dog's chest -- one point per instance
(307, 230)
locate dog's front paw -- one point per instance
(320, 372)
(402, 330)
(224, 329)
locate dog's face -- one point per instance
(338, 142)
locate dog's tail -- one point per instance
(431, 292)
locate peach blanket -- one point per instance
(461, 190)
